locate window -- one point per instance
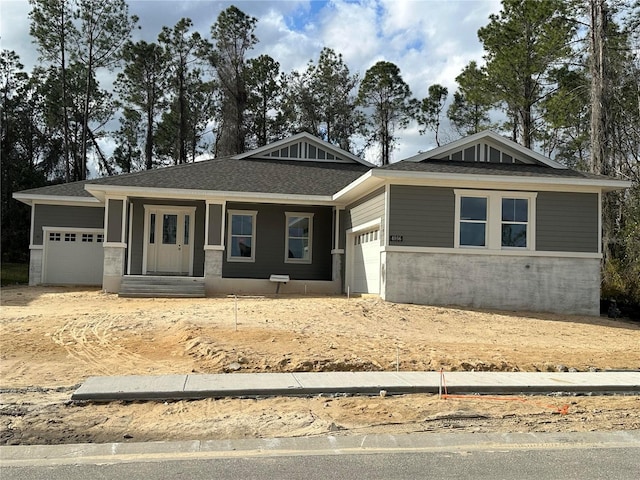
(242, 236)
(69, 237)
(87, 237)
(515, 217)
(298, 237)
(494, 220)
(54, 237)
(99, 238)
(473, 221)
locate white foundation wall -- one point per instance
(114, 258)
(543, 284)
(35, 266)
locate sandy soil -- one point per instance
(54, 338)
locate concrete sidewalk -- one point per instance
(176, 387)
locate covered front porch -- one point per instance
(156, 241)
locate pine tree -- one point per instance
(388, 100)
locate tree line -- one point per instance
(559, 76)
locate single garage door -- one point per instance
(73, 257)
(366, 262)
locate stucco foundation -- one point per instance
(114, 261)
(35, 266)
(212, 271)
(548, 284)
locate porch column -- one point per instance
(337, 252)
(115, 243)
(213, 245)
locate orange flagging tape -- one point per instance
(561, 410)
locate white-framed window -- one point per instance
(298, 237)
(54, 236)
(87, 237)
(241, 240)
(69, 237)
(100, 238)
(495, 220)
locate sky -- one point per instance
(431, 41)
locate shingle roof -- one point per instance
(229, 175)
(484, 168)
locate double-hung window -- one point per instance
(473, 221)
(299, 237)
(241, 236)
(515, 220)
(494, 220)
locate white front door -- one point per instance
(169, 240)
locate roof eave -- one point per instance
(31, 198)
(467, 178)
(103, 191)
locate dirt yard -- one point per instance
(54, 338)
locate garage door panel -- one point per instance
(366, 262)
(73, 257)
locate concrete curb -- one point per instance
(179, 387)
(325, 445)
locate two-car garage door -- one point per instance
(365, 266)
(73, 257)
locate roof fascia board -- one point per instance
(474, 179)
(359, 187)
(486, 134)
(184, 194)
(31, 199)
(310, 138)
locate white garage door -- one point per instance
(73, 257)
(366, 262)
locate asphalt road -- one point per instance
(570, 456)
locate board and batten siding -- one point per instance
(270, 231)
(65, 216)
(421, 216)
(567, 222)
(367, 209)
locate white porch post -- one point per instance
(214, 244)
(337, 253)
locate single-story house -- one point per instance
(480, 222)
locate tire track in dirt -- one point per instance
(91, 342)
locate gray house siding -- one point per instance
(114, 221)
(567, 222)
(65, 216)
(215, 224)
(421, 216)
(270, 244)
(136, 248)
(366, 209)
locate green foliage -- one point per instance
(233, 34)
(264, 114)
(430, 110)
(469, 111)
(321, 100)
(521, 45)
(388, 100)
(14, 274)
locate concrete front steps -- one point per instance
(161, 286)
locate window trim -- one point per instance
(286, 237)
(493, 233)
(254, 215)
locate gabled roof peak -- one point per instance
(303, 147)
(486, 146)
